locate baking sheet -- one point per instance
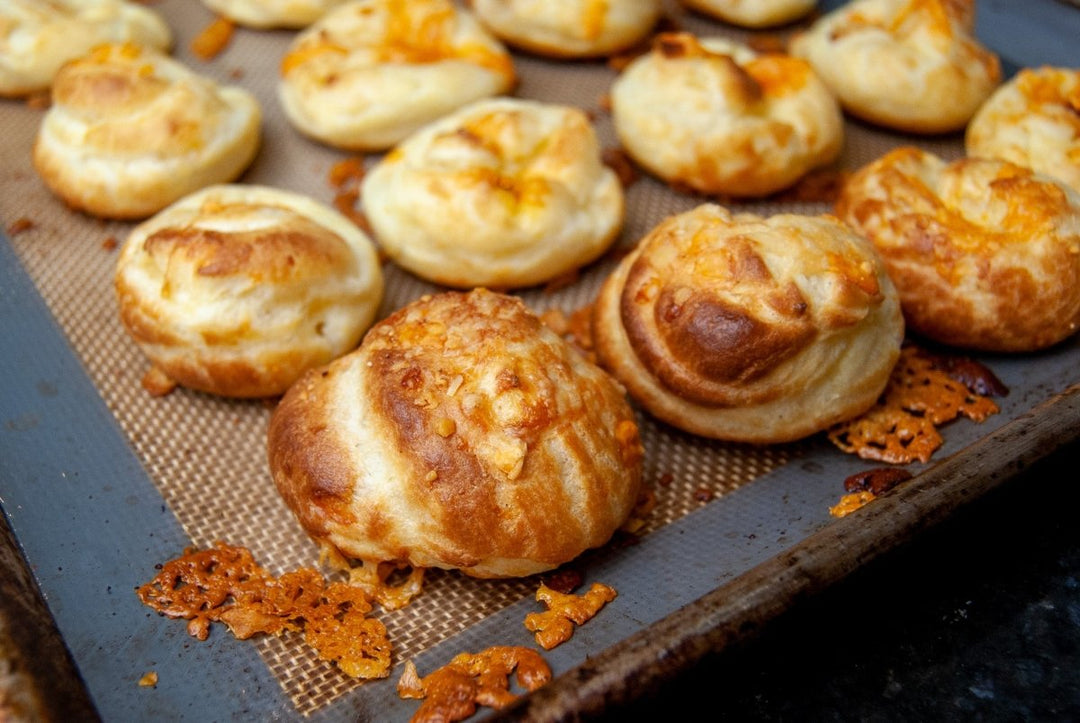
(100, 482)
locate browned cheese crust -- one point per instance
(750, 329)
(461, 434)
(985, 254)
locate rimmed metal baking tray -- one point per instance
(96, 496)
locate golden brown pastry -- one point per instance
(571, 28)
(461, 434)
(131, 130)
(910, 65)
(750, 329)
(265, 14)
(503, 193)
(753, 13)
(718, 117)
(986, 254)
(370, 72)
(39, 36)
(1033, 120)
(237, 290)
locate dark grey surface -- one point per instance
(976, 620)
(92, 526)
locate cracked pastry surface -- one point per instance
(237, 290)
(131, 130)
(461, 434)
(502, 193)
(266, 14)
(38, 36)
(1032, 120)
(909, 65)
(750, 329)
(720, 118)
(370, 72)
(571, 29)
(753, 13)
(985, 253)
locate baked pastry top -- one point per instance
(265, 14)
(717, 117)
(910, 65)
(985, 253)
(39, 36)
(131, 130)
(502, 193)
(1033, 120)
(753, 13)
(237, 290)
(461, 434)
(570, 29)
(370, 72)
(750, 329)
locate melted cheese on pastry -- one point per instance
(462, 434)
(572, 28)
(264, 14)
(503, 193)
(371, 72)
(131, 130)
(910, 65)
(1034, 121)
(753, 13)
(986, 254)
(237, 290)
(39, 36)
(750, 329)
(720, 118)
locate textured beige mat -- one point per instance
(207, 455)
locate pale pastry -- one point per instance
(753, 13)
(569, 28)
(266, 14)
(750, 329)
(237, 290)
(502, 193)
(370, 72)
(131, 130)
(909, 65)
(1033, 120)
(985, 253)
(717, 117)
(461, 434)
(39, 36)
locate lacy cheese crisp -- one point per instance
(225, 584)
(902, 426)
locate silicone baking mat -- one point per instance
(205, 456)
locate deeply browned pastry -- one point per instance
(750, 329)
(985, 254)
(237, 290)
(462, 433)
